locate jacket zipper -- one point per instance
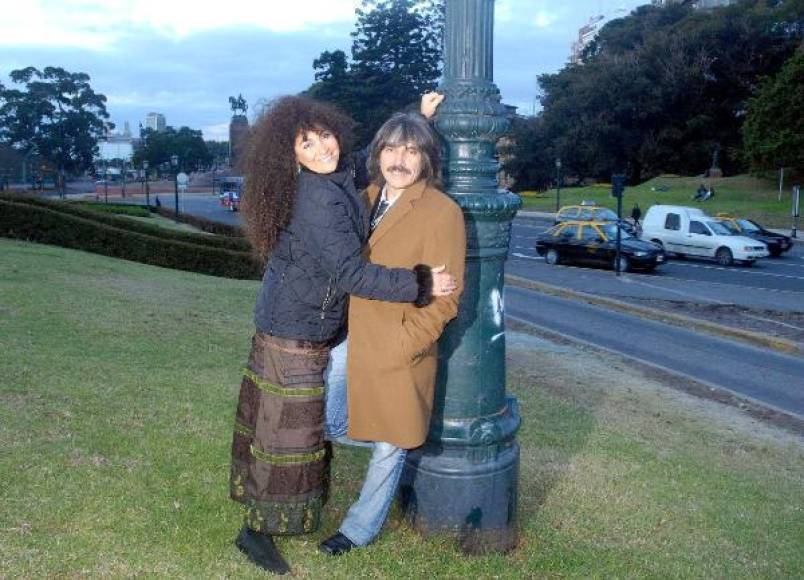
(327, 298)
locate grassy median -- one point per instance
(117, 389)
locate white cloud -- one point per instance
(96, 25)
(216, 132)
(545, 18)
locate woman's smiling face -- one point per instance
(318, 151)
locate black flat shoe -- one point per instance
(336, 545)
(261, 550)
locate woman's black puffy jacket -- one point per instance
(318, 261)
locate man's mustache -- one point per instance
(399, 168)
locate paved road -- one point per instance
(203, 204)
(773, 284)
(773, 379)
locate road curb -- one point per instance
(755, 338)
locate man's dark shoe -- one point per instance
(260, 549)
(336, 545)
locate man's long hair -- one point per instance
(401, 129)
(270, 167)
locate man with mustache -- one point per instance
(392, 351)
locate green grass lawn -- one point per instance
(167, 223)
(742, 195)
(117, 389)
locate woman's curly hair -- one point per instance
(270, 166)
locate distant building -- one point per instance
(588, 32)
(155, 121)
(702, 4)
(115, 148)
(119, 145)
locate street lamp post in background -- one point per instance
(174, 161)
(147, 185)
(106, 181)
(123, 188)
(558, 184)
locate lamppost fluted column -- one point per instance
(465, 478)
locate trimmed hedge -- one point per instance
(237, 244)
(203, 224)
(129, 209)
(36, 223)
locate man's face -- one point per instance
(400, 165)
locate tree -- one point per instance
(159, 146)
(774, 126)
(395, 57)
(58, 115)
(661, 90)
(218, 150)
(528, 155)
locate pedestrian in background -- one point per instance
(636, 214)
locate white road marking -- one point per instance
(525, 256)
(737, 270)
(779, 322)
(740, 286)
(679, 292)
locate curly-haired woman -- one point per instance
(305, 219)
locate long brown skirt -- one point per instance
(280, 463)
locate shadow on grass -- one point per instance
(555, 428)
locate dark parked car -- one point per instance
(595, 243)
(777, 243)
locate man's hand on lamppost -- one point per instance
(429, 104)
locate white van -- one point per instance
(687, 231)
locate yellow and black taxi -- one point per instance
(587, 211)
(595, 243)
(777, 243)
(590, 211)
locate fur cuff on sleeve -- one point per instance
(424, 278)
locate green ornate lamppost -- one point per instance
(465, 478)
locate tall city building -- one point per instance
(702, 4)
(155, 121)
(588, 31)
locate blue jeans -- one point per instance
(365, 518)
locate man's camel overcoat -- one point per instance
(392, 353)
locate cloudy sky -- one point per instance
(184, 59)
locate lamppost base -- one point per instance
(448, 490)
